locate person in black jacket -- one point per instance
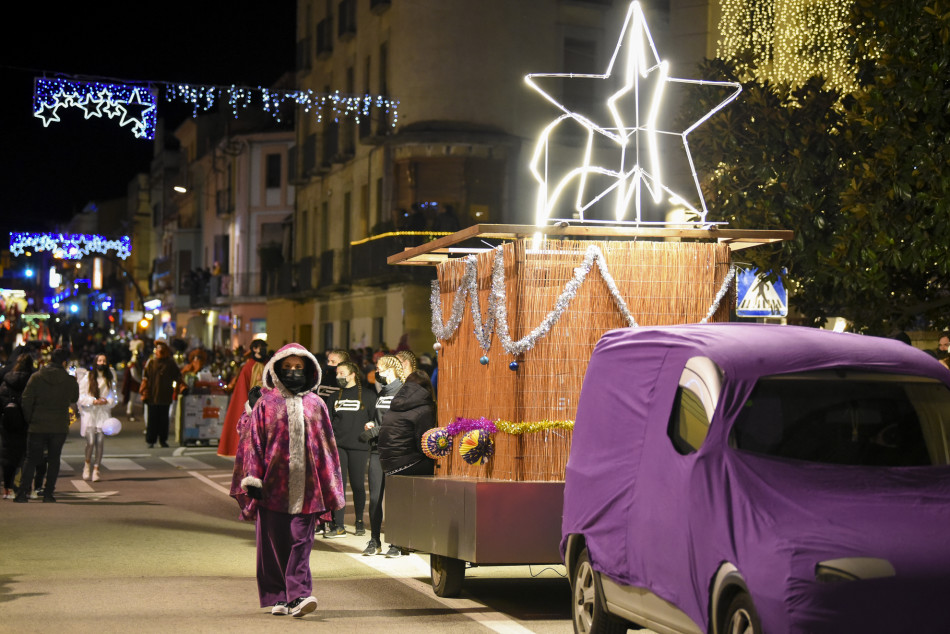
(411, 414)
(46, 401)
(350, 409)
(389, 374)
(13, 429)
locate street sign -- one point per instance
(757, 297)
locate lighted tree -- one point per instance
(862, 178)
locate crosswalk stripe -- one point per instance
(82, 486)
(184, 462)
(121, 464)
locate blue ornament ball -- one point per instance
(483, 360)
(513, 366)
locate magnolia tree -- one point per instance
(862, 178)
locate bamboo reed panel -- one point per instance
(663, 283)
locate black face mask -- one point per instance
(341, 382)
(381, 379)
(294, 380)
(102, 368)
(258, 354)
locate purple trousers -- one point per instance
(284, 542)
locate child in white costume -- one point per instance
(97, 397)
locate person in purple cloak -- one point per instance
(286, 474)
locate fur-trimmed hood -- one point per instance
(311, 369)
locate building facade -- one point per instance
(460, 140)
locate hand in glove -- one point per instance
(253, 394)
(255, 493)
(370, 435)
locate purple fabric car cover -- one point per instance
(665, 521)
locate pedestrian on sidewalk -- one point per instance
(159, 378)
(13, 427)
(352, 407)
(97, 397)
(389, 375)
(286, 473)
(46, 401)
(411, 414)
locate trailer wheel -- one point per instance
(447, 575)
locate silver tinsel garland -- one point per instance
(497, 313)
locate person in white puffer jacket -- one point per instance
(97, 397)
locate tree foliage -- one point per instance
(861, 178)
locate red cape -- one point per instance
(228, 444)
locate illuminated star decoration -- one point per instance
(632, 130)
(135, 105)
(69, 246)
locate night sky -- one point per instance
(50, 173)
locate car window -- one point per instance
(847, 417)
(695, 402)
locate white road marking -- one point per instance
(121, 464)
(211, 483)
(82, 486)
(185, 462)
(404, 569)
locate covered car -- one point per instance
(759, 478)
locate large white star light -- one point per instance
(631, 130)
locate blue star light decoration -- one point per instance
(135, 106)
(631, 130)
(72, 246)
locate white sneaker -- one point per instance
(95, 474)
(303, 605)
(85, 471)
(280, 609)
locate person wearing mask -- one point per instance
(389, 376)
(328, 387)
(251, 375)
(13, 426)
(351, 408)
(159, 378)
(46, 401)
(411, 414)
(286, 473)
(97, 397)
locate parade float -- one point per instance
(515, 323)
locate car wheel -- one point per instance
(741, 617)
(587, 610)
(447, 575)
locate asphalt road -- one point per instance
(156, 546)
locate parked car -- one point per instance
(751, 478)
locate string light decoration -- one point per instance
(72, 246)
(788, 41)
(135, 105)
(497, 313)
(335, 105)
(632, 131)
